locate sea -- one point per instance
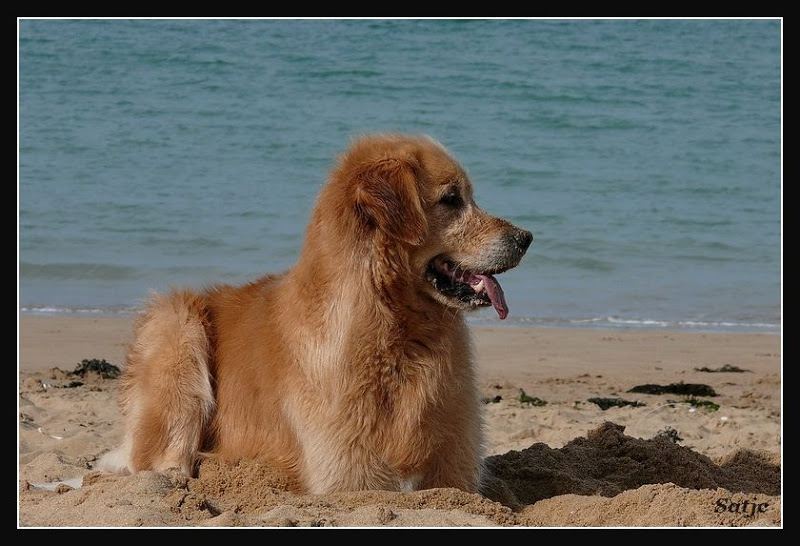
(644, 154)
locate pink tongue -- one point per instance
(495, 293)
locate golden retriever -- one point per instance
(352, 370)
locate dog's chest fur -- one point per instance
(375, 405)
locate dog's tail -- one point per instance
(166, 394)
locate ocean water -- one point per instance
(644, 155)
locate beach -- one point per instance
(637, 380)
(567, 442)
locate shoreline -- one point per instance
(55, 340)
(607, 323)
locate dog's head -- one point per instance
(406, 198)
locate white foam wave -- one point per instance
(48, 310)
(632, 323)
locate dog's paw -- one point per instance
(114, 462)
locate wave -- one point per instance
(612, 322)
(48, 310)
(606, 322)
(693, 324)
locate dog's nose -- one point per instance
(522, 239)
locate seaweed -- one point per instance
(606, 403)
(725, 368)
(669, 434)
(530, 400)
(101, 367)
(689, 389)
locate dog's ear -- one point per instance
(387, 199)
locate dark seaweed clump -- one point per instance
(100, 367)
(606, 403)
(530, 400)
(688, 389)
(669, 434)
(725, 368)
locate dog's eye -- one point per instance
(451, 200)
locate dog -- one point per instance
(354, 369)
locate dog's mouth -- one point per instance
(470, 288)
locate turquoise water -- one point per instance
(644, 155)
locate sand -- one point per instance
(554, 457)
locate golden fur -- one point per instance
(354, 369)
